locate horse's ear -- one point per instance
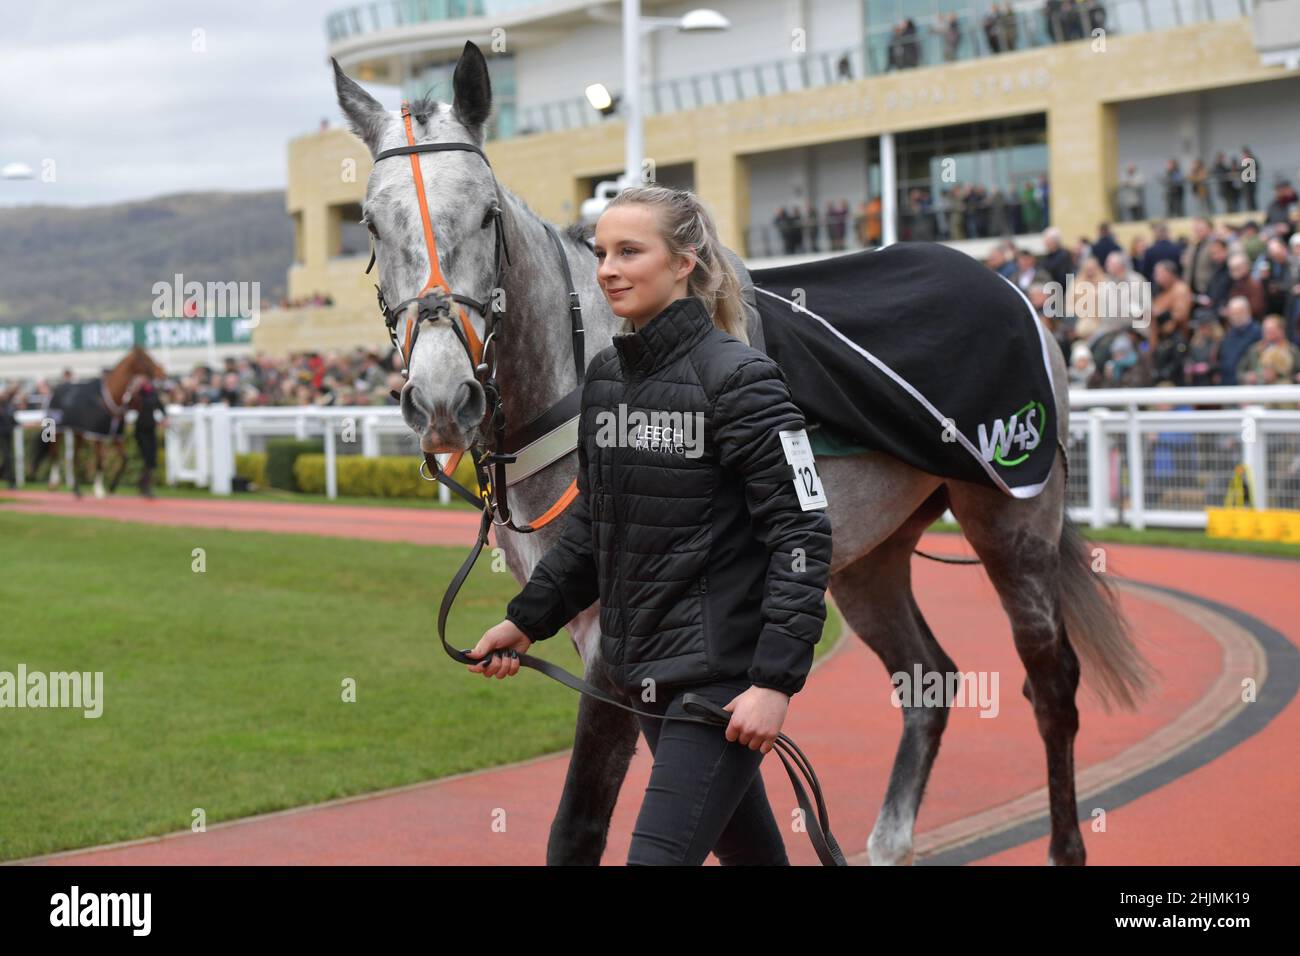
(472, 88)
(366, 115)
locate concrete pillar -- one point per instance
(888, 191)
(722, 181)
(1083, 162)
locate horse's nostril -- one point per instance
(471, 403)
(414, 409)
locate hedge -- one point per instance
(281, 453)
(252, 466)
(383, 477)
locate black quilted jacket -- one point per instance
(688, 529)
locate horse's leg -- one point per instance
(77, 444)
(604, 737)
(1019, 543)
(99, 467)
(603, 743)
(873, 506)
(874, 594)
(120, 446)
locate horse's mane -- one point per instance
(581, 233)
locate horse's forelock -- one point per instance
(425, 107)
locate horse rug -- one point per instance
(80, 407)
(919, 351)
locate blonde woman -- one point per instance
(699, 527)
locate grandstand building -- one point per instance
(1040, 105)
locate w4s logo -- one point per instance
(1020, 429)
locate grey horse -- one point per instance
(879, 506)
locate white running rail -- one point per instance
(1144, 457)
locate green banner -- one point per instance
(119, 336)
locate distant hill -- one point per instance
(101, 262)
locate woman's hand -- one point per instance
(502, 637)
(756, 717)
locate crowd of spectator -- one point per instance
(1233, 180)
(974, 211)
(1002, 28)
(313, 301)
(799, 228)
(351, 377)
(964, 211)
(1218, 307)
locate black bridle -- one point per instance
(433, 303)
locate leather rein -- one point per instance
(540, 442)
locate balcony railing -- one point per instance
(882, 52)
(391, 14)
(921, 217)
(932, 41)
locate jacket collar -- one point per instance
(667, 335)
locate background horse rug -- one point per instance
(919, 351)
(85, 407)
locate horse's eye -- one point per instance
(371, 226)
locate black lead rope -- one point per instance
(818, 823)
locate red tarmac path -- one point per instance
(1231, 796)
(432, 525)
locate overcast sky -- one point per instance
(115, 94)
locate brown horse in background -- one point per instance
(92, 411)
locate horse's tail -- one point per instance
(1111, 664)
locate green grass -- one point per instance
(269, 494)
(222, 689)
(1172, 538)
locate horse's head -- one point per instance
(141, 362)
(442, 401)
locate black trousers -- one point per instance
(147, 442)
(7, 463)
(705, 792)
